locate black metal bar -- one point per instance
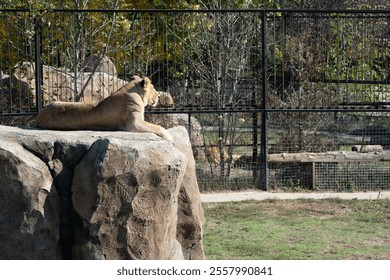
(358, 82)
(255, 117)
(38, 66)
(322, 11)
(270, 110)
(14, 10)
(221, 142)
(264, 114)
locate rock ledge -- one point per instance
(98, 195)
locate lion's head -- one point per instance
(148, 93)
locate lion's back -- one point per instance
(118, 112)
(109, 114)
(62, 115)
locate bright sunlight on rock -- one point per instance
(98, 195)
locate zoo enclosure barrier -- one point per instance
(283, 99)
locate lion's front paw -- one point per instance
(169, 137)
(166, 135)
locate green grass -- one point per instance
(298, 229)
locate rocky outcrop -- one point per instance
(29, 205)
(190, 212)
(98, 195)
(95, 63)
(66, 85)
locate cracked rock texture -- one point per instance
(98, 195)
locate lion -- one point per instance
(124, 110)
(214, 154)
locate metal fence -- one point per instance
(282, 99)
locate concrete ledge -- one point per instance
(260, 195)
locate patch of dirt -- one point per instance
(381, 256)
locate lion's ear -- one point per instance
(145, 82)
(136, 77)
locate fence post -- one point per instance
(264, 113)
(37, 60)
(255, 104)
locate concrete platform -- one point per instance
(261, 195)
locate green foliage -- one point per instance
(190, 45)
(355, 55)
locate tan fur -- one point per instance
(213, 152)
(215, 156)
(124, 110)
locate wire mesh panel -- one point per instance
(249, 85)
(321, 60)
(352, 176)
(227, 156)
(222, 144)
(17, 44)
(348, 140)
(291, 132)
(329, 176)
(291, 176)
(180, 52)
(327, 131)
(89, 55)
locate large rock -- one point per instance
(29, 207)
(58, 84)
(190, 214)
(97, 63)
(97, 86)
(63, 84)
(98, 195)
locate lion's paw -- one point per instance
(169, 137)
(166, 135)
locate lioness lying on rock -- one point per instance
(124, 110)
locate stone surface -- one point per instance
(190, 214)
(29, 220)
(98, 195)
(96, 63)
(64, 85)
(127, 198)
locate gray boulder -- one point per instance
(29, 206)
(97, 63)
(98, 195)
(63, 84)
